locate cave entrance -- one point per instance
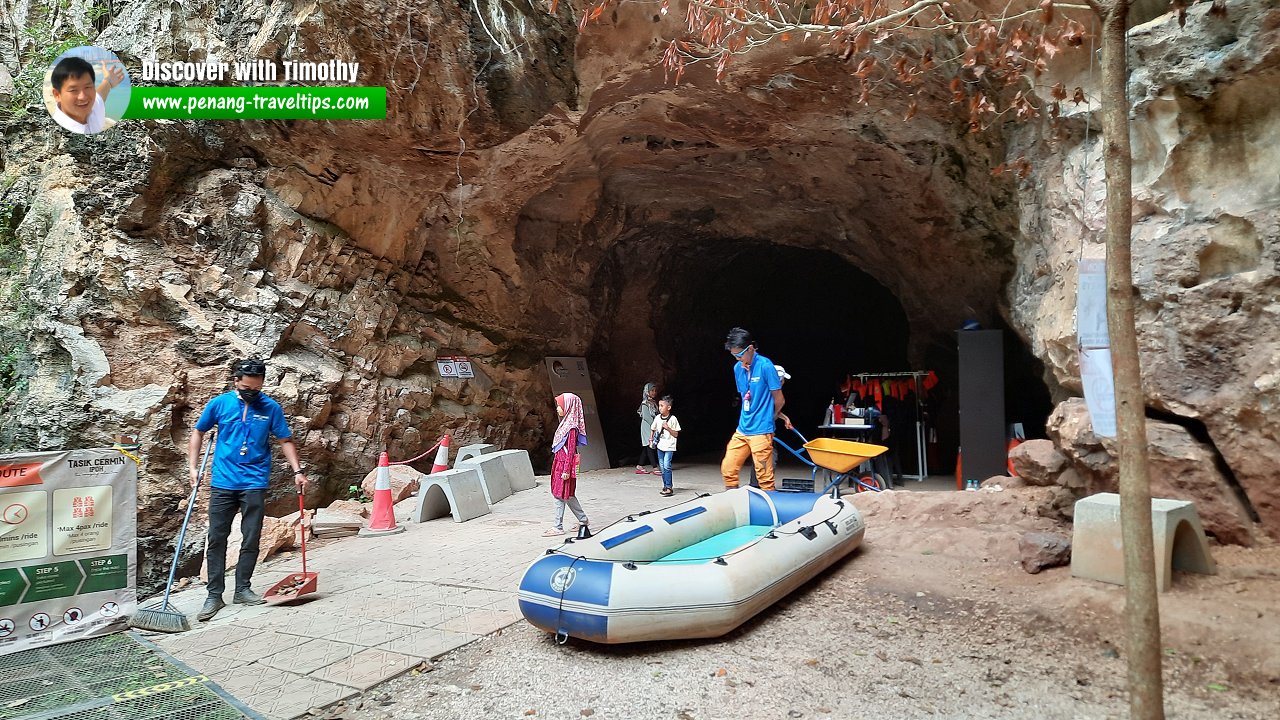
(809, 310)
(668, 304)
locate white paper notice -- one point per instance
(1091, 304)
(1099, 390)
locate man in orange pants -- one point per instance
(761, 395)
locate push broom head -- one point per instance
(161, 619)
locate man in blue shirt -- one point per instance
(246, 419)
(760, 390)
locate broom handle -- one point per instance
(302, 516)
(182, 534)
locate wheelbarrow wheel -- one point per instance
(871, 483)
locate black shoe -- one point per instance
(211, 608)
(247, 597)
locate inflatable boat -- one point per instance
(698, 569)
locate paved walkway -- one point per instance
(387, 604)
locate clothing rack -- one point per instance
(914, 373)
(922, 459)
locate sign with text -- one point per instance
(68, 537)
(455, 366)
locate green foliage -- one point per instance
(10, 246)
(355, 492)
(41, 43)
(13, 296)
(95, 13)
(13, 354)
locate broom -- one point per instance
(164, 619)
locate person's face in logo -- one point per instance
(76, 97)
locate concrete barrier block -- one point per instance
(470, 451)
(519, 469)
(455, 492)
(502, 473)
(1097, 550)
(493, 478)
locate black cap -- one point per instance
(252, 367)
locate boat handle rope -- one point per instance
(562, 636)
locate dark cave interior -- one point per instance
(810, 311)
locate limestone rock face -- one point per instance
(1182, 468)
(1206, 256)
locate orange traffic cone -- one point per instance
(382, 521)
(442, 457)
(1013, 443)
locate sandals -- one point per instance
(666, 492)
(655, 471)
(577, 525)
(641, 471)
(553, 532)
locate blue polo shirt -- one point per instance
(755, 388)
(242, 458)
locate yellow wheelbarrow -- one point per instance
(839, 458)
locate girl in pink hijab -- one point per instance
(571, 433)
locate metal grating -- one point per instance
(116, 677)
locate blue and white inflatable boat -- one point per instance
(698, 569)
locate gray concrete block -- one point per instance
(470, 451)
(1097, 548)
(519, 469)
(451, 492)
(502, 473)
(493, 477)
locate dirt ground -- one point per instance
(933, 617)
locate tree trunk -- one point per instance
(1142, 613)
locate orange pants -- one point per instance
(759, 448)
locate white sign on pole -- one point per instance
(68, 546)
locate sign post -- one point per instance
(68, 546)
